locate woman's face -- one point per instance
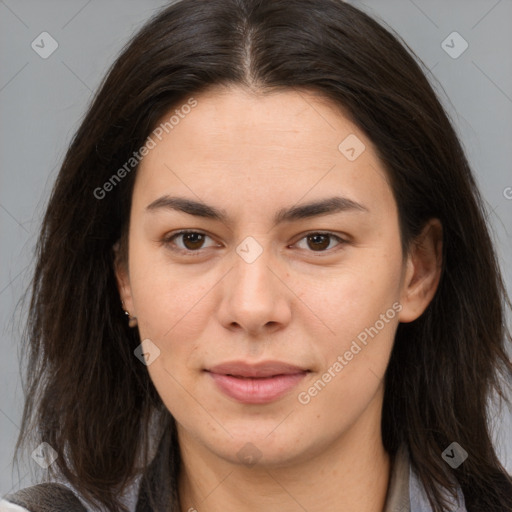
(300, 304)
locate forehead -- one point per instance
(239, 146)
(264, 123)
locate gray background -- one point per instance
(43, 100)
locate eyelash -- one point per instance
(168, 241)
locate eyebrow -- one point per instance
(327, 206)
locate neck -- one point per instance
(351, 474)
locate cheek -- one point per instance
(354, 359)
(358, 295)
(166, 298)
(361, 309)
(171, 312)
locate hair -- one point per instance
(93, 401)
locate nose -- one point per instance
(255, 297)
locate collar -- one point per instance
(406, 492)
(397, 499)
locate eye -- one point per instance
(319, 242)
(192, 241)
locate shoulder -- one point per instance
(7, 506)
(406, 492)
(45, 497)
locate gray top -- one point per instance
(405, 494)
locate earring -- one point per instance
(132, 320)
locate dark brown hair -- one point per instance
(92, 400)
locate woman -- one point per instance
(264, 279)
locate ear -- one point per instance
(123, 279)
(423, 271)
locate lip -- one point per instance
(256, 383)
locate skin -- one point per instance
(301, 302)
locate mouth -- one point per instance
(258, 383)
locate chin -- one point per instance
(263, 446)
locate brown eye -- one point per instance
(192, 241)
(319, 242)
